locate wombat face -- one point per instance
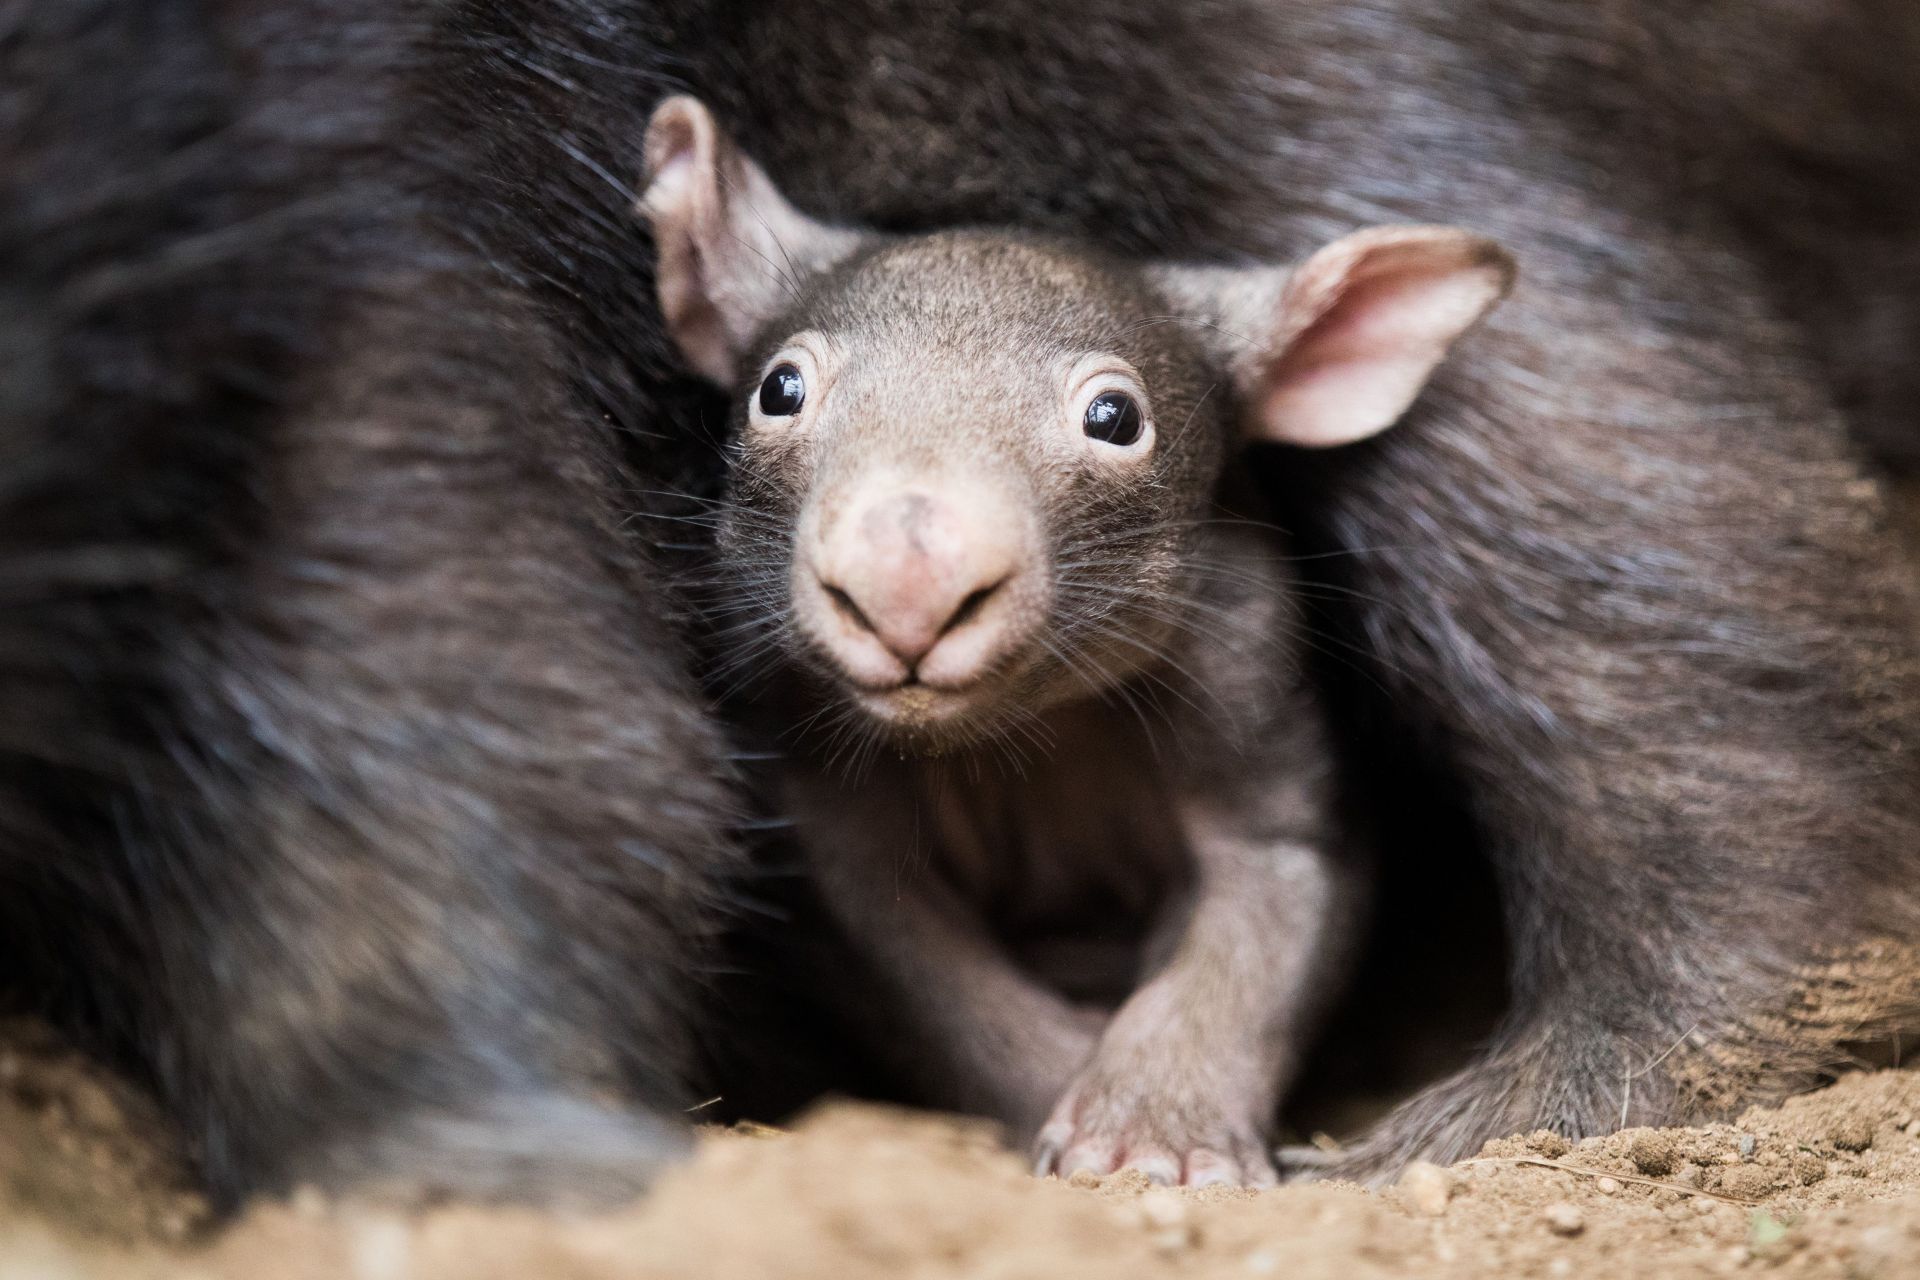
(970, 464)
(967, 499)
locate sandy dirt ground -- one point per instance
(1828, 1185)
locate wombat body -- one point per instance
(1069, 948)
(982, 514)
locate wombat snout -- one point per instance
(917, 584)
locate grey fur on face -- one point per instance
(926, 374)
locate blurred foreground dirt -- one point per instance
(1828, 1185)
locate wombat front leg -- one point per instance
(974, 1031)
(1186, 1080)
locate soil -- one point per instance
(1826, 1185)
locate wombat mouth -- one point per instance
(931, 720)
(915, 710)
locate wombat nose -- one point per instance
(910, 632)
(909, 569)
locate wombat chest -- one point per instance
(1072, 856)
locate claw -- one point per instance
(1259, 1174)
(1092, 1155)
(1210, 1169)
(1047, 1148)
(1162, 1168)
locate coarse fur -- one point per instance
(332, 375)
(353, 790)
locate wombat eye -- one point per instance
(784, 391)
(1113, 416)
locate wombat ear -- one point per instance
(729, 245)
(1336, 349)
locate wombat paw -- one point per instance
(1174, 1141)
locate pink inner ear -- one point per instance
(673, 140)
(689, 216)
(1376, 323)
(673, 170)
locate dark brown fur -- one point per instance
(352, 791)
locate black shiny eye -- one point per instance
(784, 391)
(1114, 416)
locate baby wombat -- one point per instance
(983, 514)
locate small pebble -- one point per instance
(1173, 1240)
(380, 1248)
(177, 1223)
(1163, 1209)
(1426, 1188)
(1607, 1186)
(308, 1201)
(1747, 1144)
(1564, 1219)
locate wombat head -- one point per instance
(969, 464)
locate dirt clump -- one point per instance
(1827, 1185)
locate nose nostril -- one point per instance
(970, 606)
(905, 614)
(847, 608)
